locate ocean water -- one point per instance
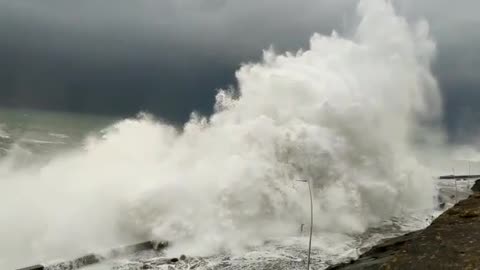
(46, 132)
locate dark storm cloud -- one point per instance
(119, 57)
(169, 56)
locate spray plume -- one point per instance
(341, 113)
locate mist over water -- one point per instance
(343, 113)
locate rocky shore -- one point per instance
(452, 241)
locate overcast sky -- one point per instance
(168, 56)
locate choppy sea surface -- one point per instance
(46, 132)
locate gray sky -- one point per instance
(169, 56)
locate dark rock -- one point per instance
(34, 267)
(441, 205)
(476, 186)
(77, 263)
(93, 258)
(159, 245)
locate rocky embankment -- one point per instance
(452, 241)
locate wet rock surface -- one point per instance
(476, 186)
(452, 241)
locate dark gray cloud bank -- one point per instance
(168, 56)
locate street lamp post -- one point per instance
(311, 221)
